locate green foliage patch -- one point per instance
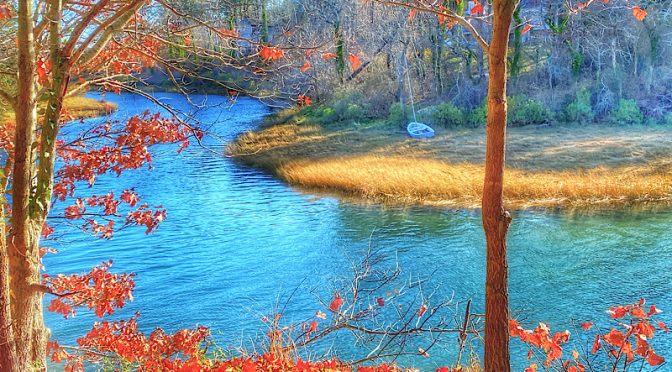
(626, 113)
(580, 110)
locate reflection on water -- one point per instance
(236, 240)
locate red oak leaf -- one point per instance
(336, 303)
(639, 13)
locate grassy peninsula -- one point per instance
(596, 165)
(76, 107)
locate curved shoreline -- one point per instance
(593, 167)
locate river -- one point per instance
(237, 242)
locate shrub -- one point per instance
(667, 119)
(448, 115)
(396, 114)
(321, 114)
(626, 113)
(342, 107)
(354, 111)
(478, 117)
(580, 110)
(521, 111)
(526, 111)
(348, 106)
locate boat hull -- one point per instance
(419, 130)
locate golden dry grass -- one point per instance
(84, 107)
(436, 182)
(78, 107)
(557, 166)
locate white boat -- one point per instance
(419, 130)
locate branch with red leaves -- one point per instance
(98, 289)
(626, 345)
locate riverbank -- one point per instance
(78, 107)
(84, 107)
(571, 166)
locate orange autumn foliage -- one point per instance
(639, 13)
(624, 346)
(355, 61)
(271, 53)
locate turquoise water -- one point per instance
(238, 242)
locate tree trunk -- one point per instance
(7, 346)
(264, 22)
(24, 258)
(495, 219)
(59, 85)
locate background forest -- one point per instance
(600, 65)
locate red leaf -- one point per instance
(618, 312)
(531, 368)
(306, 66)
(47, 231)
(526, 29)
(380, 301)
(627, 351)
(653, 310)
(442, 15)
(615, 338)
(5, 13)
(662, 326)
(422, 310)
(638, 312)
(412, 14)
(42, 69)
(596, 344)
(655, 359)
(477, 9)
(643, 328)
(271, 53)
(586, 325)
(639, 13)
(304, 100)
(643, 347)
(328, 56)
(336, 303)
(355, 62)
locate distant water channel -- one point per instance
(238, 241)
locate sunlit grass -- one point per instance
(84, 107)
(546, 167)
(76, 107)
(436, 182)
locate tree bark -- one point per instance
(24, 258)
(495, 219)
(7, 347)
(60, 77)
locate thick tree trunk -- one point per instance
(26, 299)
(495, 219)
(7, 347)
(60, 76)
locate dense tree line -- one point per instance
(560, 53)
